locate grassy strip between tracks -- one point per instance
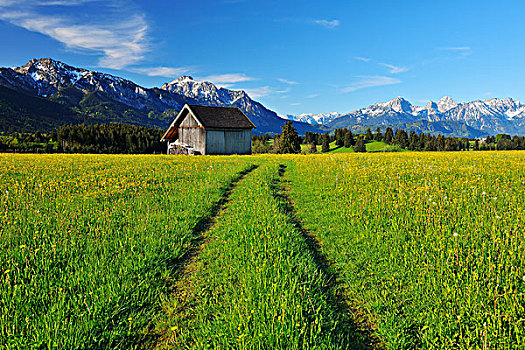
(255, 284)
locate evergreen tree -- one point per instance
(360, 144)
(413, 142)
(378, 136)
(339, 137)
(313, 148)
(389, 136)
(325, 143)
(401, 138)
(369, 136)
(289, 141)
(349, 139)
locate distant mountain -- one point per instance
(311, 118)
(474, 118)
(90, 97)
(206, 93)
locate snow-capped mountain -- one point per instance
(47, 78)
(395, 111)
(312, 118)
(207, 93)
(489, 116)
(89, 95)
(446, 104)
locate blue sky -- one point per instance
(293, 56)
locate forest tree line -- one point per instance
(81, 138)
(130, 139)
(400, 139)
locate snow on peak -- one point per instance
(50, 71)
(183, 79)
(400, 105)
(431, 105)
(445, 104)
(204, 92)
(312, 118)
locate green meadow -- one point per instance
(330, 251)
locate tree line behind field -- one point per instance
(130, 139)
(290, 142)
(97, 138)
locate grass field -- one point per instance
(371, 146)
(332, 251)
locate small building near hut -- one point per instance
(210, 130)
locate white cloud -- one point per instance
(289, 82)
(327, 23)
(63, 2)
(461, 50)
(455, 48)
(362, 59)
(228, 78)
(168, 72)
(259, 92)
(365, 82)
(312, 96)
(394, 69)
(117, 33)
(264, 91)
(295, 104)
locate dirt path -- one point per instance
(185, 266)
(353, 328)
(351, 332)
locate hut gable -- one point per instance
(211, 130)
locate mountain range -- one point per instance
(446, 116)
(29, 94)
(44, 94)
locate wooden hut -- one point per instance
(210, 130)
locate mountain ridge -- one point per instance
(490, 116)
(45, 78)
(90, 96)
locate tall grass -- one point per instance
(430, 246)
(89, 244)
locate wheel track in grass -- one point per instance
(354, 324)
(184, 265)
(204, 224)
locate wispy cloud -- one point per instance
(295, 104)
(259, 92)
(455, 48)
(231, 78)
(264, 91)
(312, 96)
(289, 82)
(394, 69)
(168, 72)
(330, 24)
(461, 50)
(119, 35)
(362, 59)
(364, 82)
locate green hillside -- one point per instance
(24, 113)
(21, 112)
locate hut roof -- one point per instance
(211, 117)
(221, 117)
